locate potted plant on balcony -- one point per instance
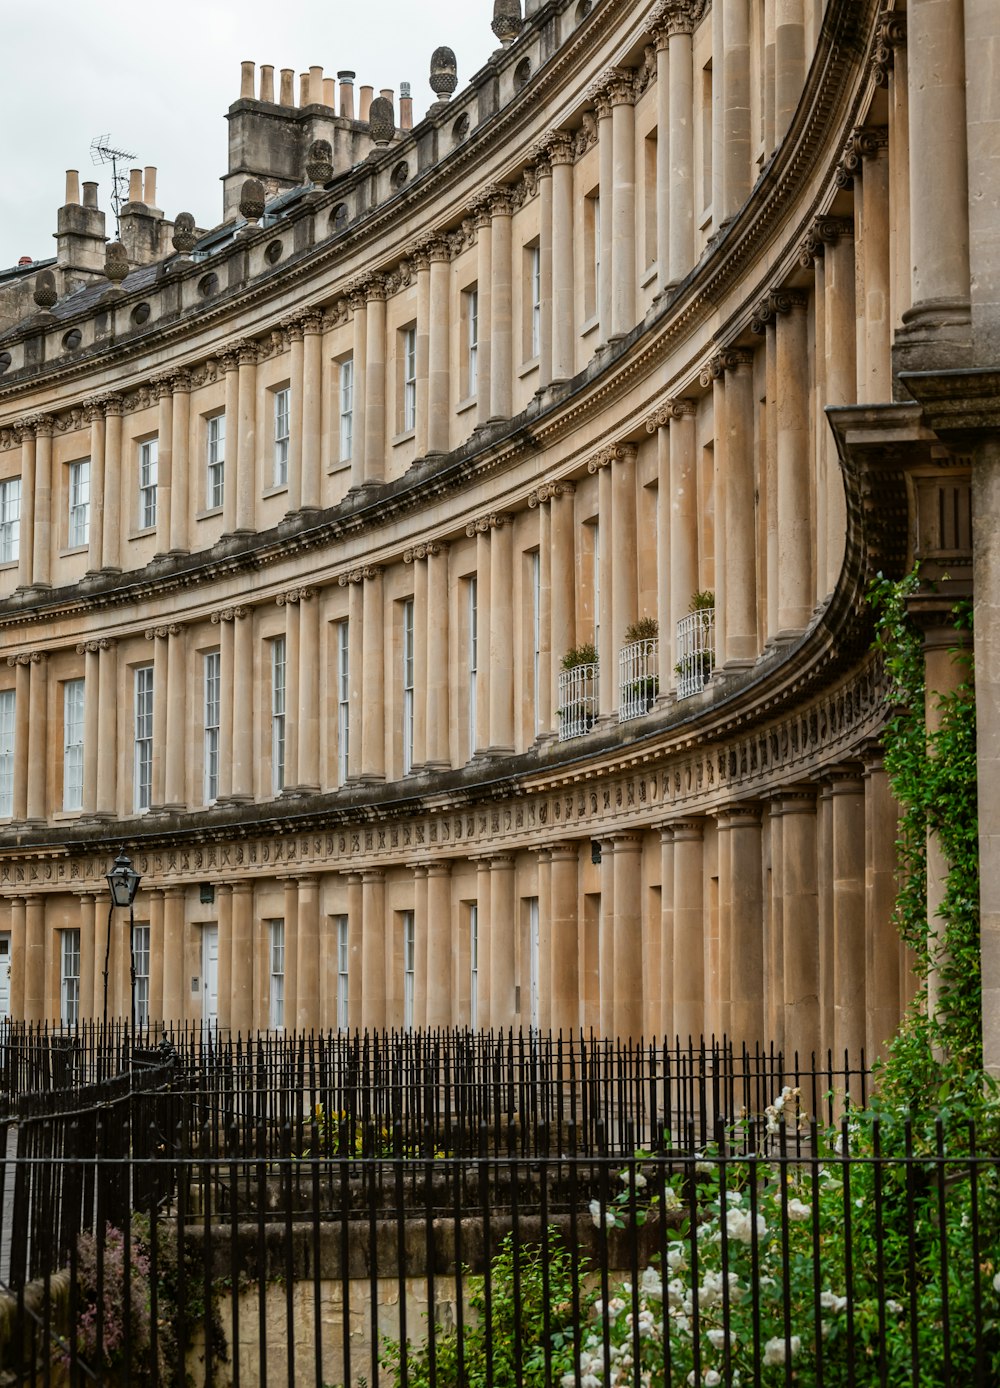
(641, 692)
(703, 659)
(579, 711)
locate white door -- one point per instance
(210, 976)
(533, 957)
(4, 974)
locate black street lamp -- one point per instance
(123, 883)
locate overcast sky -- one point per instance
(159, 79)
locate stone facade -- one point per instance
(660, 339)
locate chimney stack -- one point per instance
(247, 71)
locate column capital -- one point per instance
(549, 491)
(496, 520)
(865, 142)
(93, 410)
(293, 595)
(372, 875)
(670, 409)
(88, 647)
(500, 862)
(565, 852)
(293, 328)
(614, 87)
(745, 812)
(359, 575)
(825, 231)
(844, 778)
(426, 550)
(671, 17)
(162, 632)
(439, 867)
(890, 34)
(686, 829)
(500, 199)
(162, 386)
(793, 800)
(247, 352)
(776, 302)
(312, 320)
(558, 147)
(229, 359)
(228, 614)
(612, 453)
(113, 405)
(180, 381)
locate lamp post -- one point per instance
(123, 883)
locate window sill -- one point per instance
(404, 437)
(9, 564)
(143, 533)
(590, 325)
(73, 549)
(207, 515)
(343, 465)
(527, 367)
(60, 816)
(649, 274)
(705, 220)
(276, 490)
(469, 403)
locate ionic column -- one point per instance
(624, 547)
(175, 759)
(41, 549)
(789, 62)
(736, 97)
(501, 640)
(689, 930)
(606, 941)
(794, 566)
(437, 750)
(484, 1015)
(683, 532)
(295, 334)
(605, 556)
(22, 695)
(312, 408)
(359, 307)
(661, 39)
(373, 950)
(158, 636)
(890, 69)
(164, 462)
(665, 1023)
(302, 689)
(439, 345)
(561, 156)
(292, 665)
(107, 723)
(543, 170)
(720, 479)
(154, 899)
(38, 737)
(839, 377)
(224, 620)
(484, 307)
(307, 1016)
(90, 650)
(564, 939)
(440, 945)
(94, 414)
(242, 719)
(628, 951)
(180, 469)
(501, 327)
(940, 207)
(502, 931)
(800, 943)
(18, 908)
(739, 539)
(230, 363)
(422, 265)
(25, 554)
(245, 423)
(606, 163)
(375, 401)
(355, 947)
(543, 707)
(875, 308)
(88, 971)
(769, 420)
(35, 1002)
(718, 964)
(824, 916)
(111, 558)
(420, 653)
(174, 972)
(746, 940)
(882, 944)
(679, 132)
(421, 946)
(623, 232)
(290, 952)
(373, 654)
(481, 530)
(982, 33)
(849, 975)
(562, 577)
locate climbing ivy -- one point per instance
(933, 777)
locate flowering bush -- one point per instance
(115, 1314)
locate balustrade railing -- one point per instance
(578, 700)
(638, 678)
(695, 651)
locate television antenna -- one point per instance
(102, 152)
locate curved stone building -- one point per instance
(446, 576)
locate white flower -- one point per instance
(774, 1350)
(733, 1197)
(718, 1338)
(650, 1283)
(798, 1211)
(671, 1200)
(830, 1301)
(712, 1379)
(996, 1282)
(740, 1226)
(676, 1258)
(893, 1307)
(595, 1214)
(636, 1177)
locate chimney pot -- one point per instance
(247, 71)
(330, 93)
(346, 80)
(315, 85)
(366, 103)
(135, 185)
(90, 195)
(287, 97)
(267, 82)
(72, 186)
(149, 185)
(303, 89)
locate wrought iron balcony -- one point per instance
(638, 678)
(695, 651)
(578, 700)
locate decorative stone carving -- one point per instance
(359, 575)
(507, 20)
(549, 491)
(586, 136)
(890, 34)
(229, 614)
(778, 301)
(46, 293)
(184, 238)
(612, 453)
(864, 143)
(252, 201)
(444, 73)
(823, 232)
(382, 121)
(162, 632)
(115, 263)
(670, 409)
(319, 164)
(293, 595)
(494, 521)
(426, 550)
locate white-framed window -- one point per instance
(140, 958)
(213, 676)
(409, 356)
(215, 459)
(472, 340)
(10, 520)
(69, 976)
(142, 756)
(277, 714)
(79, 504)
(473, 660)
(592, 256)
(343, 701)
(535, 298)
(409, 968)
(346, 408)
(343, 963)
(536, 630)
(73, 694)
(407, 685)
(149, 463)
(276, 994)
(474, 962)
(6, 753)
(282, 415)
